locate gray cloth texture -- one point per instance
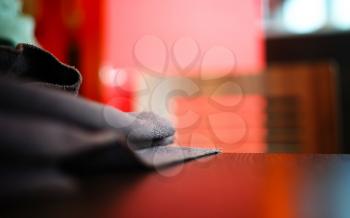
(41, 116)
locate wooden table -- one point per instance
(225, 185)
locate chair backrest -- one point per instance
(302, 107)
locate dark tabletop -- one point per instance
(225, 185)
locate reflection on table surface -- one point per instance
(225, 185)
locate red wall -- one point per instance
(230, 23)
(189, 38)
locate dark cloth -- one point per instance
(42, 121)
(39, 67)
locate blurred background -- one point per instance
(242, 76)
